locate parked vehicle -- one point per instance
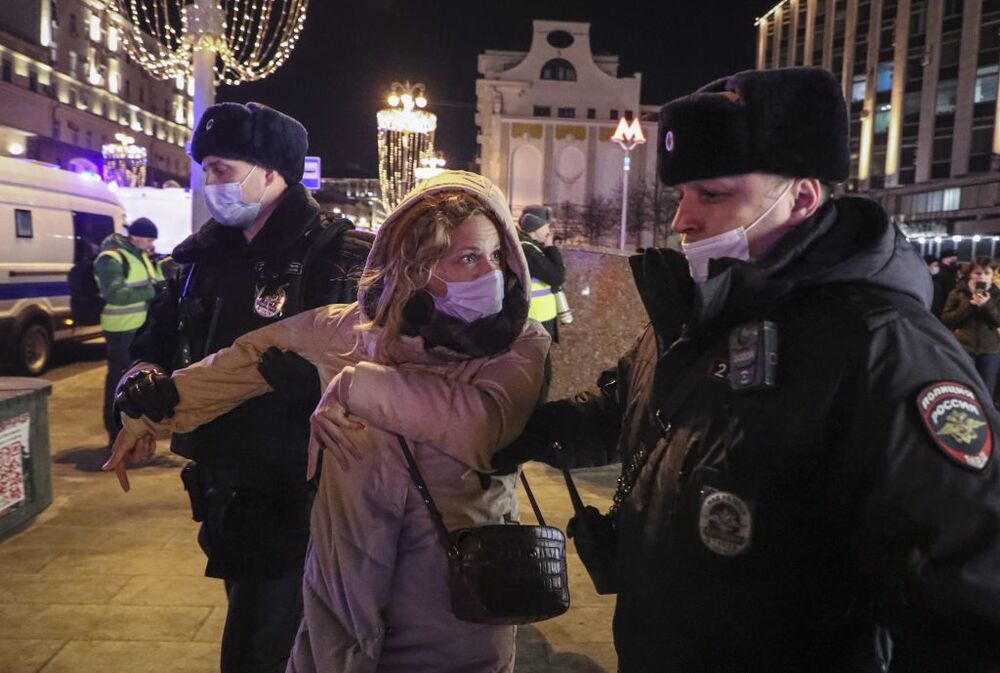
(52, 223)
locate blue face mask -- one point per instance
(227, 206)
(472, 299)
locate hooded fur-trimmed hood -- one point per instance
(457, 181)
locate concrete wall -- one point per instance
(607, 313)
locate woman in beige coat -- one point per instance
(439, 350)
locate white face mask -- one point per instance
(227, 206)
(472, 299)
(732, 243)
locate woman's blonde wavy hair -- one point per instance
(413, 246)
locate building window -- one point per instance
(112, 38)
(882, 119)
(542, 111)
(113, 83)
(73, 58)
(591, 113)
(73, 29)
(33, 81)
(22, 224)
(986, 84)
(559, 69)
(55, 129)
(883, 80)
(128, 89)
(142, 95)
(858, 89)
(567, 112)
(54, 13)
(54, 55)
(614, 114)
(8, 70)
(95, 27)
(947, 94)
(72, 97)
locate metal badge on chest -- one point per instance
(271, 293)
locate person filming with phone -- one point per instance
(972, 313)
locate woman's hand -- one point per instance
(330, 425)
(128, 449)
(979, 298)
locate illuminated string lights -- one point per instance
(405, 137)
(124, 162)
(254, 39)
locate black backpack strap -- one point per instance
(328, 232)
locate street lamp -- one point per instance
(627, 135)
(431, 164)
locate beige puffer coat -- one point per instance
(375, 587)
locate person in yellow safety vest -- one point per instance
(548, 273)
(545, 263)
(127, 279)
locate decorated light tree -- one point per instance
(207, 42)
(405, 136)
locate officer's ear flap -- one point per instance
(809, 196)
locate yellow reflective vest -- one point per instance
(141, 273)
(543, 302)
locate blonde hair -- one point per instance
(412, 247)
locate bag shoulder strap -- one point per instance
(425, 494)
(664, 415)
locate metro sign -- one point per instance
(628, 135)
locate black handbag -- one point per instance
(501, 573)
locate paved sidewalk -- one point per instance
(108, 582)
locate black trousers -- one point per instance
(118, 362)
(263, 618)
(256, 541)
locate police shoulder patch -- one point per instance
(956, 422)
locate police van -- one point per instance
(52, 223)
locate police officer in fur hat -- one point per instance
(808, 480)
(267, 253)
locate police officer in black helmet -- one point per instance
(808, 477)
(269, 252)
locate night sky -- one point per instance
(351, 51)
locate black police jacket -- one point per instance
(233, 287)
(846, 519)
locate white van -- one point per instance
(52, 223)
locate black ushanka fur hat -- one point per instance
(254, 133)
(787, 121)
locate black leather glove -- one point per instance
(291, 375)
(524, 449)
(147, 391)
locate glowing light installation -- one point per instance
(405, 136)
(249, 38)
(199, 43)
(124, 162)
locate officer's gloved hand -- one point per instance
(291, 375)
(524, 449)
(146, 390)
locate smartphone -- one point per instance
(981, 287)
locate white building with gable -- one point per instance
(545, 120)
